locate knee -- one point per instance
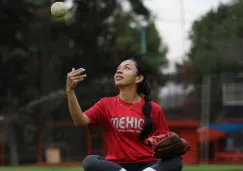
(89, 162)
(174, 164)
(177, 163)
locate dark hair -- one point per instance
(144, 89)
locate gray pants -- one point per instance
(98, 163)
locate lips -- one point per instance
(118, 77)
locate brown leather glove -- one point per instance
(168, 145)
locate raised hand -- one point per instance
(74, 77)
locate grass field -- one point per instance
(186, 168)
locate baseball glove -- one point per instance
(167, 145)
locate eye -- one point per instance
(128, 68)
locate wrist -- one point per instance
(69, 91)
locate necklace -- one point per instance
(127, 108)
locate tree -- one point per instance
(126, 41)
(217, 40)
(216, 48)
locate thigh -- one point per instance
(98, 163)
(174, 164)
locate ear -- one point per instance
(139, 79)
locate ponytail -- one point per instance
(145, 89)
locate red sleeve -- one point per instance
(160, 121)
(95, 113)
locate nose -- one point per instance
(119, 71)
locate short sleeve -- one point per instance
(95, 113)
(159, 120)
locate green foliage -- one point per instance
(129, 43)
(216, 48)
(85, 39)
(217, 40)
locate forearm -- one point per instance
(77, 115)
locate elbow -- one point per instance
(77, 124)
(80, 121)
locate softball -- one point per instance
(58, 10)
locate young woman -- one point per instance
(128, 119)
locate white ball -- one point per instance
(58, 9)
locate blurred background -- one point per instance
(193, 51)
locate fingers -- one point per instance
(76, 76)
(80, 77)
(78, 80)
(77, 72)
(75, 80)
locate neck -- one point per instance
(129, 94)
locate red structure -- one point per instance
(187, 130)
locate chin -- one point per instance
(119, 84)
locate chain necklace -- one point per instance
(127, 108)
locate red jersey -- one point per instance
(122, 127)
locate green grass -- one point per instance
(186, 168)
(213, 168)
(39, 169)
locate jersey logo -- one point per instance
(127, 124)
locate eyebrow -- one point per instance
(124, 65)
(128, 64)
